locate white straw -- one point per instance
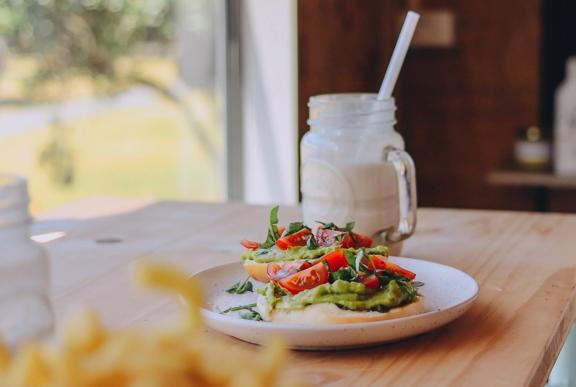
(398, 55)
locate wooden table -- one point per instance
(525, 264)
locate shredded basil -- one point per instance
(241, 287)
(239, 307)
(350, 257)
(344, 274)
(327, 226)
(332, 226)
(311, 243)
(251, 315)
(248, 314)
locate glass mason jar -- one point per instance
(354, 168)
(25, 309)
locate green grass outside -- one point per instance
(133, 152)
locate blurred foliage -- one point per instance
(81, 38)
(84, 36)
(97, 40)
(57, 157)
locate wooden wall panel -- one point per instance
(342, 47)
(459, 108)
(463, 106)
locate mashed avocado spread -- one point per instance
(347, 295)
(296, 253)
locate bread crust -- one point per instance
(326, 313)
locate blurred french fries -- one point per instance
(87, 354)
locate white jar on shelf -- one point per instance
(25, 308)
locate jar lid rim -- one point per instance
(353, 98)
(13, 190)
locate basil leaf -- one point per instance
(332, 226)
(274, 216)
(251, 315)
(350, 257)
(273, 234)
(328, 226)
(274, 222)
(239, 307)
(311, 243)
(248, 314)
(407, 288)
(344, 273)
(293, 227)
(270, 241)
(241, 287)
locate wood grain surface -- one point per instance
(525, 264)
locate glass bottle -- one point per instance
(25, 309)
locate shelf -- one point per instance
(536, 179)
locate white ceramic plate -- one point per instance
(448, 293)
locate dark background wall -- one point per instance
(460, 108)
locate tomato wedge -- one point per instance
(299, 238)
(382, 264)
(347, 241)
(305, 279)
(336, 259)
(371, 282)
(361, 240)
(277, 271)
(281, 230)
(250, 244)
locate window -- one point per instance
(109, 97)
(171, 99)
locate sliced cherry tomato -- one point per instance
(250, 244)
(382, 264)
(299, 238)
(361, 240)
(371, 282)
(336, 259)
(281, 230)
(277, 271)
(305, 279)
(347, 241)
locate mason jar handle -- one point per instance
(406, 174)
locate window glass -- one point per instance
(110, 97)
